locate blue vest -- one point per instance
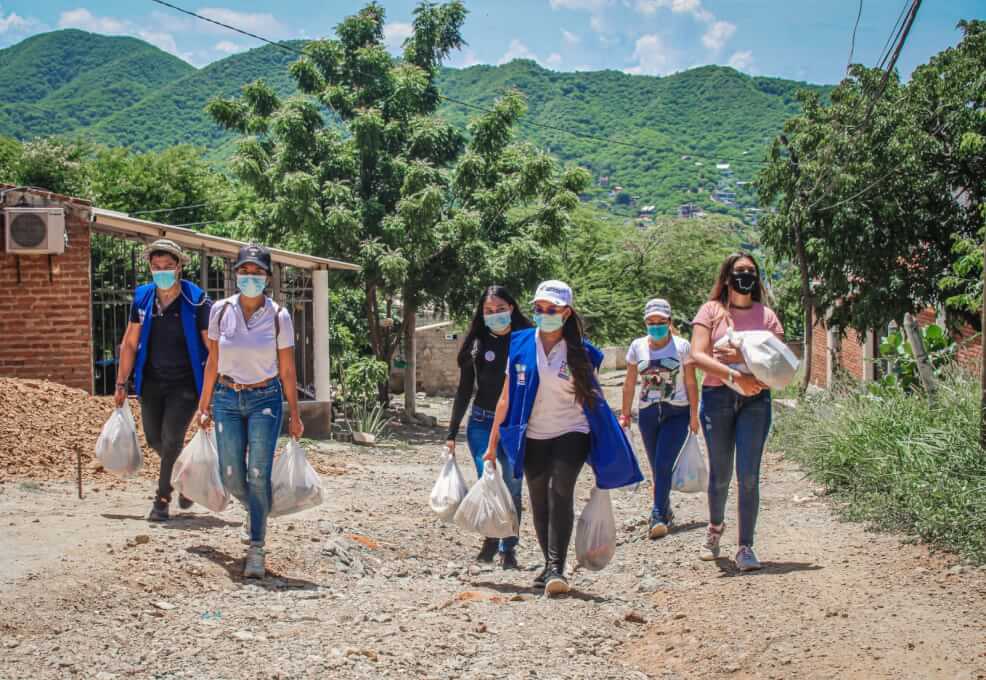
(197, 351)
(610, 452)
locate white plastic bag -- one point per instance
(117, 448)
(197, 475)
(449, 490)
(595, 534)
(690, 473)
(488, 508)
(768, 358)
(294, 481)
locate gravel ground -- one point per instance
(371, 585)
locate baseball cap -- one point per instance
(254, 254)
(657, 306)
(166, 245)
(556, 292)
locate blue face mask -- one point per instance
(164, 279)
(498, 322)
(251, 285)
(658, 331)
(549, 323)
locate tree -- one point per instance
(397, 189)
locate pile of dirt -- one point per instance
(42, 424)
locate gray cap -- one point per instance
(657, 306)
(166, 245)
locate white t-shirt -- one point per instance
(660, 370)
(246, 349)
(555, 411)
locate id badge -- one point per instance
(521, 370)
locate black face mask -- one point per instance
(744, 282)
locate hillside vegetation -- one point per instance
(123, 92)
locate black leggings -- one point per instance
(552, 467)
(166, 412)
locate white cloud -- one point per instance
(227, 47)
(84, 19)
(742, 61)
(161, 40)
(653, 57)
(598, 24)
(518, 50)
(256, 22)
(587, 5)
(13, 22)
(571, 39)
(718, 35)
(693, 7)
(395, 33)
(554, 60)
(464, 59)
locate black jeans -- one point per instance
(552, 467)
(166, 412)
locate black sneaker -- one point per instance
(159, 511)
(541, 578)
(489, 550)
(185, 503)
(508, 560)
(556, 583)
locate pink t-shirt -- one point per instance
(756, 318)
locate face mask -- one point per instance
(658, 331)
(744, 282)
(549, 324)
(251, 285)
(164, 279)
(498, 322)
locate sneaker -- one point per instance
(556, 583)
(159, 511)
(541, 578)
(660, 527)
(253, 566)
(489, 550)
(185, 503)
(508, 560)
(710, 551)
(245, 531)
(746, 559)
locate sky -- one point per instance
(796, 39)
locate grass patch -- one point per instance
(897, 461)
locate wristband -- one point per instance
(730, 378)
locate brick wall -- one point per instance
(437, 367)
(851, 354)
(819, 350)
(45, 325)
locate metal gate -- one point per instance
(118, 267)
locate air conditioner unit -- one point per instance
(34, 231)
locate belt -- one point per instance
(240, 386)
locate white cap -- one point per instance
(556, 292)
(657, 306)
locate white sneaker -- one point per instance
(253, 567)
(746, 559)
(710, 550)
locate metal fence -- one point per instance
(118, 267)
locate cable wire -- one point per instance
(852, 41)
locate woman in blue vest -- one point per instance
(482, 364)
(250, 374)
(165, 347)
(552, 418)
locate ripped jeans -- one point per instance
(247, 425)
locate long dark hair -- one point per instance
(720, 291)
(477, 329)
(578, 360)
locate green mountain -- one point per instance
(58, 82)
(659, 138)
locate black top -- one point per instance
(490, 368)
(167, 353)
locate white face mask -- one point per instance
(251, 285)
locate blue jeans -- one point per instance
(740, 425)
(664, 428)
(247, 424)
(478, 435)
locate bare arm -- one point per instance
(702, 353)
(209, 378)
(289, 379)
(502, 406)
(629, 388)
(691, 387)
(128, 355)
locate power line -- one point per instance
(905, 31)
(894, 34)
(475, 107)
(852, 41)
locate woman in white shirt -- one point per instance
(250, 372)
(668, 405)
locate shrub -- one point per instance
(897, 461)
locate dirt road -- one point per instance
(370, 585)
